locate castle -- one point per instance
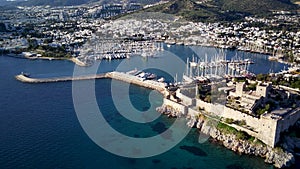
(241, 105)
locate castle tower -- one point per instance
(239, 88)
(263, 89)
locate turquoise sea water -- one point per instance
(39, 127)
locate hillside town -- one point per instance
(62, 31)
(251, 112)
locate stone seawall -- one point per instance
(26, 79)
(151, 84)
(158, 86)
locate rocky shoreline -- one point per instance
(277, 156)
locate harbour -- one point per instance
(53, 117)
(139, 84)
(110, 49)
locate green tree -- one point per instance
(229, 120)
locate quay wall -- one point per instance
(23, 78)
(26, 79)
(138, 81)
(113, 75)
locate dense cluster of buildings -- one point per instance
(254, 34)
(53, 27)
(71, 27)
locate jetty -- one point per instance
(78, 62)
(121, 76)
(128, 78)
(26, 79)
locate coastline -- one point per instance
(168, 42)
(72, 59)
(230, 142)
(206, 124)
(209, 126)
(78, 62)
(237, 48)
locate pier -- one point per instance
(24, 78)
(128, 78)
(125, 77)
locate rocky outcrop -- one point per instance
(169, 111)
(277, 156)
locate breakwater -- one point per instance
(128, 78)
(125, 77)
(26, 79)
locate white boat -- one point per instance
(161, 79)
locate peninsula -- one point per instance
(245, 115)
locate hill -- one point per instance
(256, 6)
(221, 10)
(70, 2)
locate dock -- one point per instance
(121, 76)
(78, 62)
(26, 79)
(128, 78)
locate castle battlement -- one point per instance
(265, 127)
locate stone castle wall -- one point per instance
(266, 129)
(185, 99)
(285, 123)
(177, 106)
(263, 129)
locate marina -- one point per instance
(216, 67)
(110, 49)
